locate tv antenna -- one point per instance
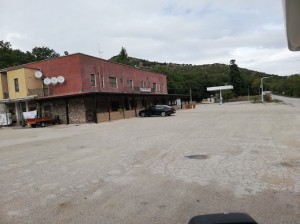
(100, 52)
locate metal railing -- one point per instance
(39, 92)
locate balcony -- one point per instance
(39, 92)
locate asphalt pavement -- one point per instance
(289, 100)
(235, 157)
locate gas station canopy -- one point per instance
(217, 88)
(220, 88)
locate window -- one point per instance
(102, 81)
(113, 82)
(131, 84)
(93, 79)
(159, 107)
(154, 86)
(16, 81)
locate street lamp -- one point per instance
(262, 88)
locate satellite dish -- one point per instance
(38, 74)
(53, 80)
(60, 79)
(47, 81)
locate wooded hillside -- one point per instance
(181, 77)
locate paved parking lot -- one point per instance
(238, 157)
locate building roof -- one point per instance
(70, 55)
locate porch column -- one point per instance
(108, 106)
(6, 114)
(17, 110)
(26, 106)
(122, 98)
(42, 110)
(95, 108)
(134, 103)
(128, 102)
(38, 110)
(67, 111)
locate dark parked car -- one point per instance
(157, 110)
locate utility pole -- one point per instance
(99, 51)
(191, 95)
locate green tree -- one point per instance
(5, 45)
(41, 53)
(123, 57)
(236, 79)
(227, 95)
(10, 57)
(255, 86)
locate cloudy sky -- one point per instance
(179, 31)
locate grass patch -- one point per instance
(256, 99)
(275, 101)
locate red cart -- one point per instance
(33, 122)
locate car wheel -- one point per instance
(142, 114)
(163, 114)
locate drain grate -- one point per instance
(197, 156)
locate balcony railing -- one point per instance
(39, 92)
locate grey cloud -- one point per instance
(190, 31)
